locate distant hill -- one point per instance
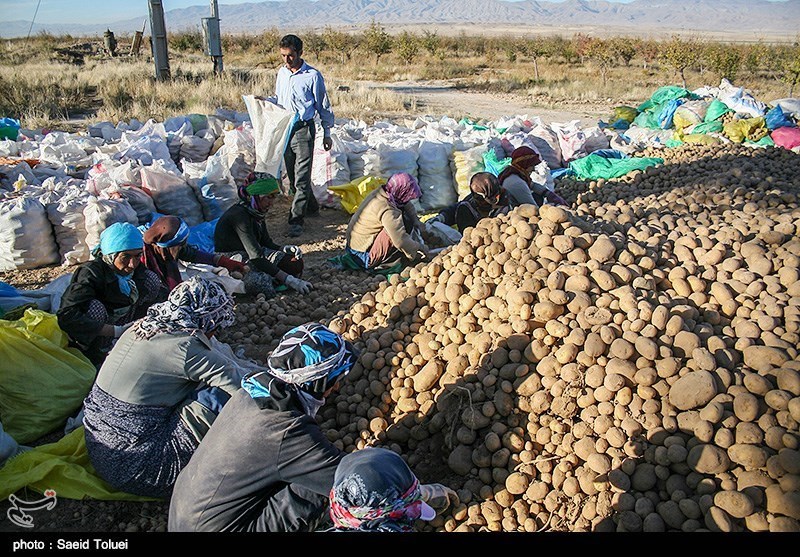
(745, 19)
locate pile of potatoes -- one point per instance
(628, 364)
(260, 323)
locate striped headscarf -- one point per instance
(402, 188)
(374, 490)
(312, 357)
(198, 304)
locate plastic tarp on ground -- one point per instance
(594, 166)
(42, 381)
(271, 126)
(64, 467)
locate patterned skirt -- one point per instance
(137, 449)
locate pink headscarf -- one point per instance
(402, 188)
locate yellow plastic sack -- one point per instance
(42, 381)
(626, 113)
(701, 138)
(63, 467)
(353, 193)
(749, 128)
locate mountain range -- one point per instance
(742, 19)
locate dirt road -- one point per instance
(439, 98)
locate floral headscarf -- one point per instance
(402, 188)
(374, 490)
(198, 304)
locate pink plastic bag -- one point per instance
(788, 138)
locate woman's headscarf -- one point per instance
(486, 186)
(402, 188)
(374, 490)
(310, 357)
(523, 160)
(199, 304)
(120, 236)
(257, 183)
(166, 232)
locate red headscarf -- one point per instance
(523, 160)
(402, 188)
(158, 259)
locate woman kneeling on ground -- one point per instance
(265, 465)
(486, 199)
(516, 180)
(107, 294)
(374, 490)
(385, 229)
(165, 245)
(242, 229)
(160, 389)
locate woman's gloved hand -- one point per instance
(438, 496)
(300, 285)
(294, 251)
(231, 264)
(553, 197)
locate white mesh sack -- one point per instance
(26, 237)
(102, 213)
(69, 225)
(172, 195)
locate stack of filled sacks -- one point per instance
(709, 115)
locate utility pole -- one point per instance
(158, 30)
(213, 38)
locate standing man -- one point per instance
(301, 88)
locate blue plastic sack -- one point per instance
(609, 154)
(6, 290)
(666, 114)
(201, 236)
(776, 118)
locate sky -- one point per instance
(100, 11)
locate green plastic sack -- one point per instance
(672, 143)
(662, 95)
(42, 381)
(64, 467)
(199, 121)
(627, 113)
(716, 110)
(765, 141)
(708, 127)
(752, 129)
(648, 120)
(493, 164)
(472, 124)
(594, 166)
(353, 193)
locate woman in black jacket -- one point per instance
(242, 229)
(106, 295)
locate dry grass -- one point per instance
(43, 93)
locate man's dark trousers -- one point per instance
(298, 158)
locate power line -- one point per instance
(34, 19)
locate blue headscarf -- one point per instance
(120, 236)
